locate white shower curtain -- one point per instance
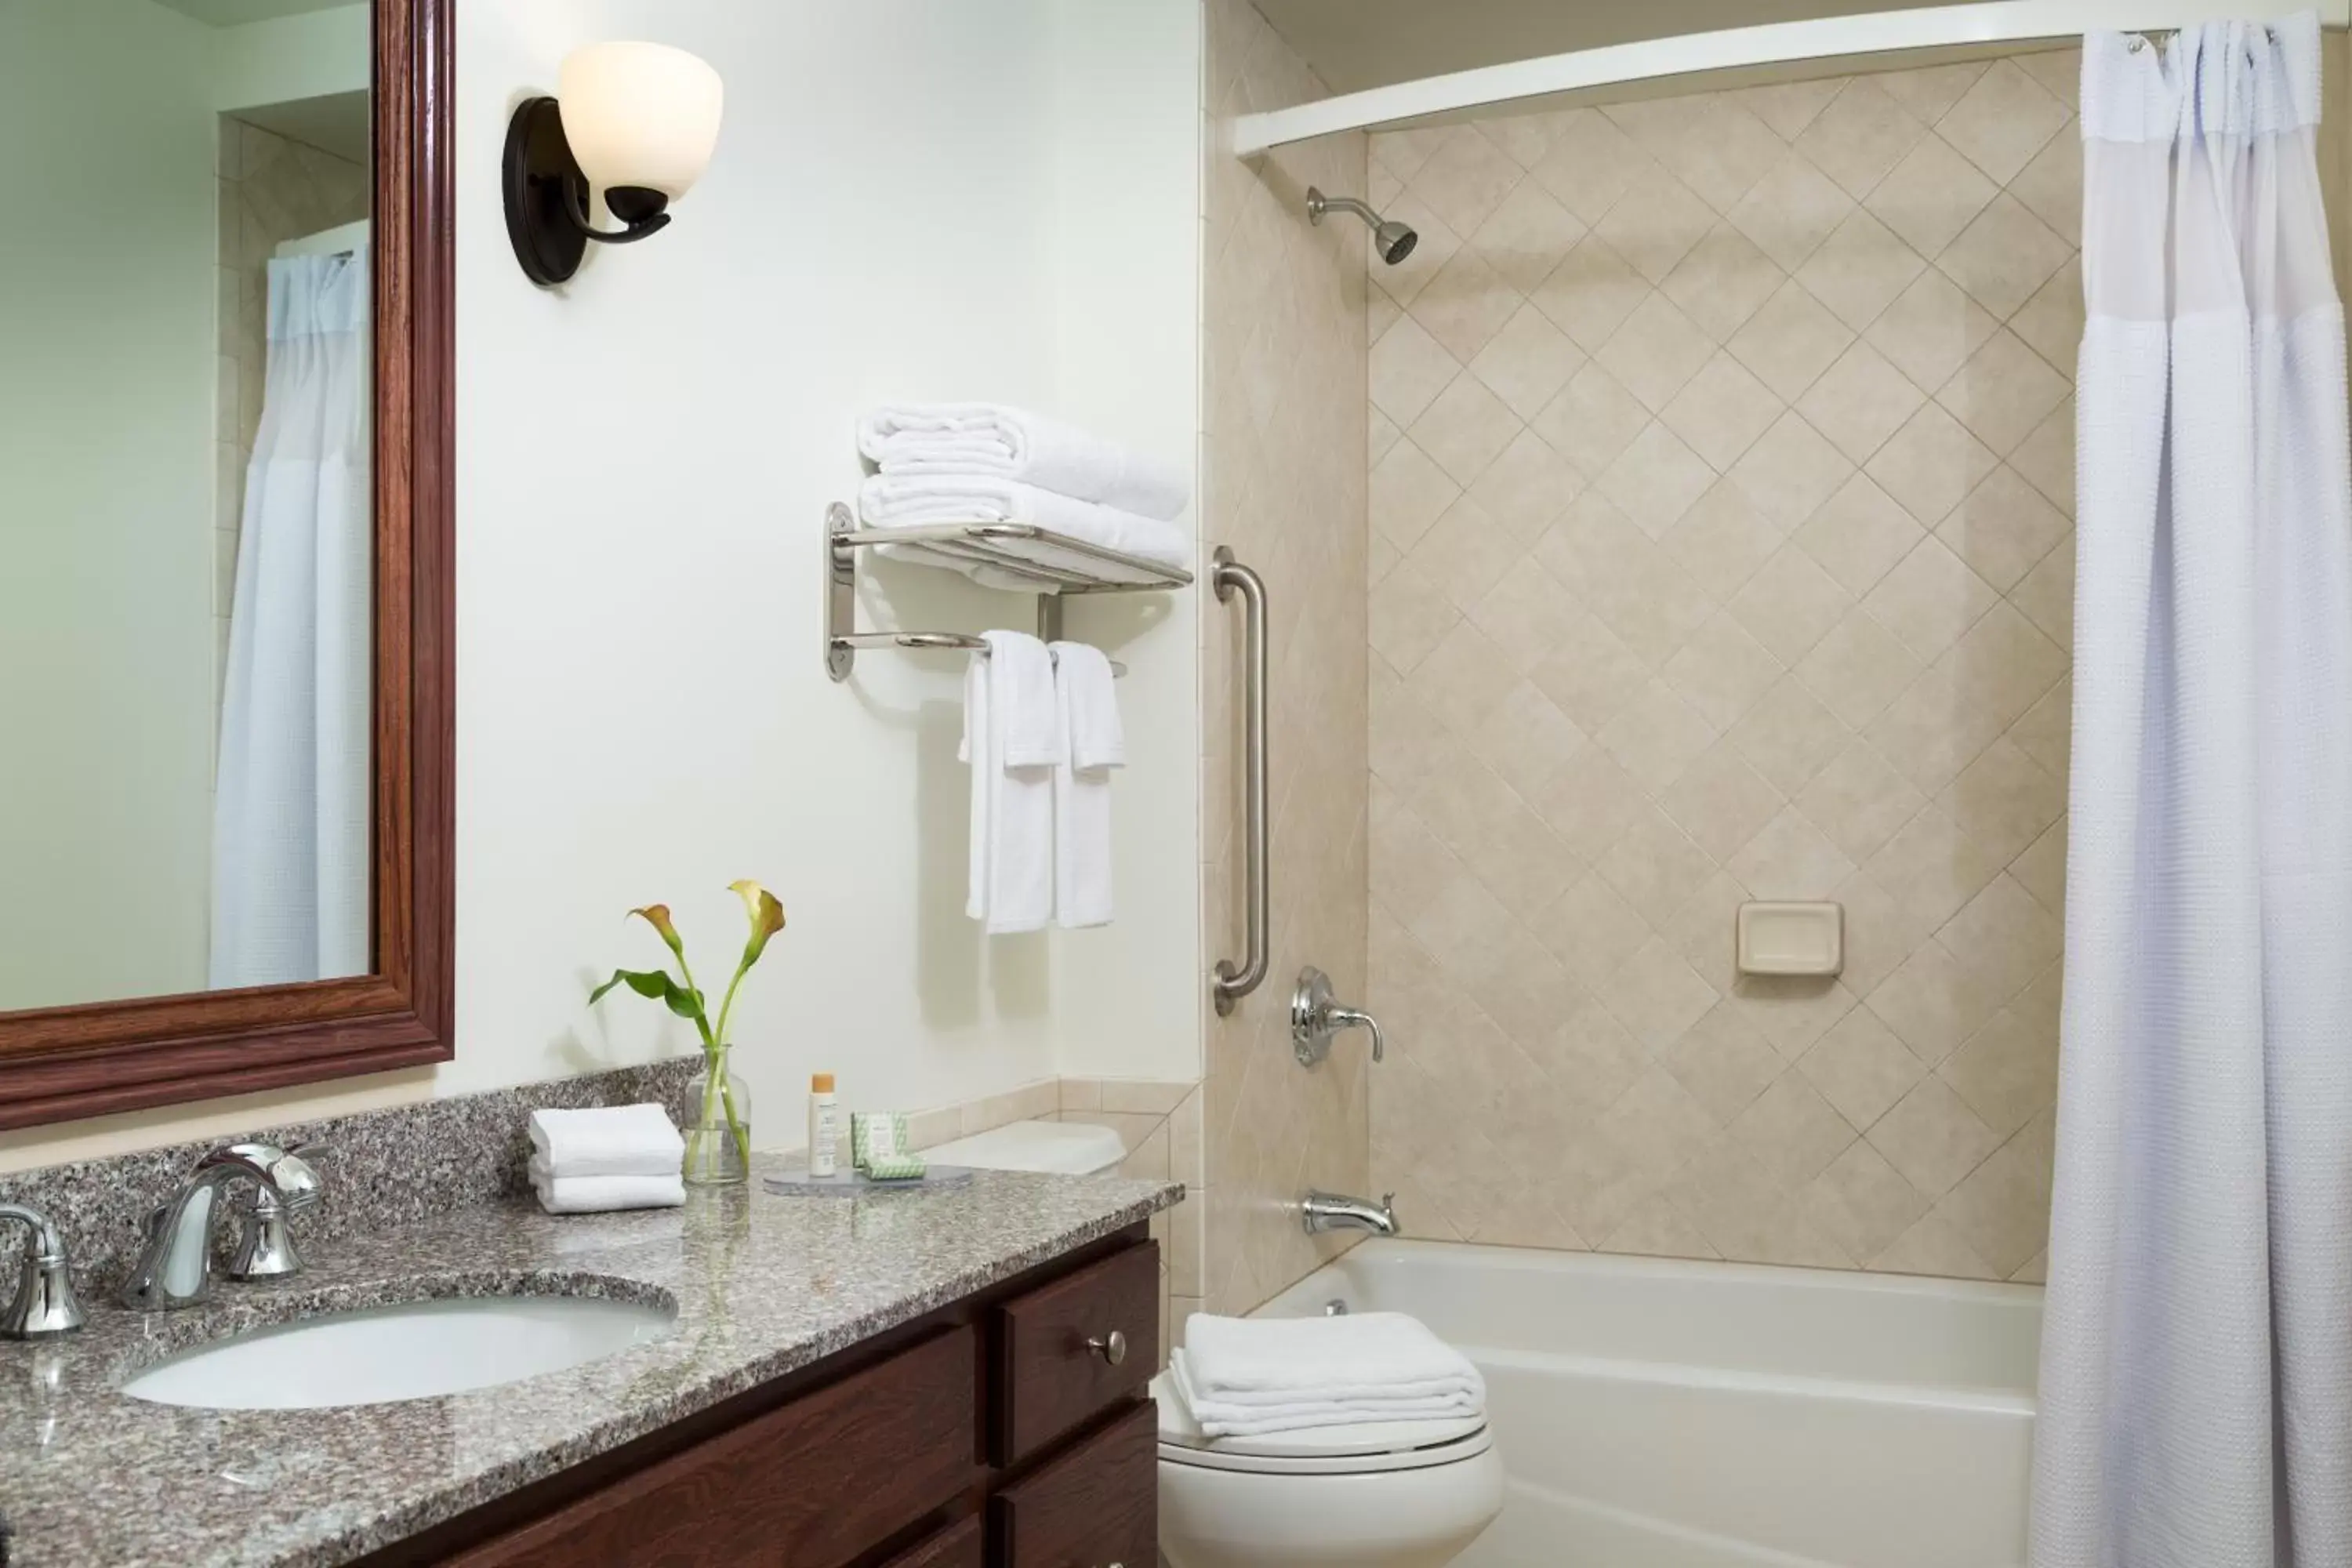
(290, 814)
(2197, 1352)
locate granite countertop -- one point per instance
(762, 1285)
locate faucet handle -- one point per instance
(45, 1302)
(1317, 1015)
(266, 1248)
(292, 1180)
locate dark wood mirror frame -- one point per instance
(63, 1063)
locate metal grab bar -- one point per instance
(1232, 983)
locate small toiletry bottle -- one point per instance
(825, 1126)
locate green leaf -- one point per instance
(654, 985)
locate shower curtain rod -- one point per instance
(1776, 43)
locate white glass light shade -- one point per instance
(639, 114)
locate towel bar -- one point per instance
(1231, 982)
(959, 642)
(1059, 564)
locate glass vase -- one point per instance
(719, 1127)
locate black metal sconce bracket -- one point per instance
(547, 198)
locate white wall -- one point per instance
(105, 498)
(1127, 245)
(287, 58)
(643, 459)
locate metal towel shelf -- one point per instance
(1057, 564)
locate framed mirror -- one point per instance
(225, 582)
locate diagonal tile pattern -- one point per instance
(1722, 502)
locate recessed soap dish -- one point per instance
(1791, 938)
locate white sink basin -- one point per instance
(413, 1350)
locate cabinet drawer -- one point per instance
(1098, 1506)
(1050, 1378)
(811, 1485)
(957, 1546)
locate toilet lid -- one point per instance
(1352, 1450)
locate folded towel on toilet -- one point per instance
(1249, 1376)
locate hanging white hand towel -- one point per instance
(978, 750)
(1011, 734)
(606, 1141)
(1092, 744)
(992, 438)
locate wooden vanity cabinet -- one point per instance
(1010, 1429)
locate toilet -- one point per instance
(1396, 1494)
(1400, 1494)
(1057, 1148)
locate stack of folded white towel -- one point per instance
(613, 1157)
(1244, 1377)
(984, 462)
(1042, 733)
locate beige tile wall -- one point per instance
(1721, 493)
(1284, 484)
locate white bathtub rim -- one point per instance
(1900, 1332)
(1643, 1266)
(1680, 1374)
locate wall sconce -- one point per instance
(637, 121)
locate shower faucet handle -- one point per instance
(1315, 1016)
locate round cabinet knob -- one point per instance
(1114, 1351)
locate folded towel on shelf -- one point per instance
(1011, 443)
(598, 1195)
(1011, 728)
(1091, 744)
(606, 1141)
(1247, 1375)
(898, 502)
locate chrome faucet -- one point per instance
(175, 1267)
(1315, 1018)
(45, 1302)
(1320, 1212)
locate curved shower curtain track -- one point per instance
(1991, 22)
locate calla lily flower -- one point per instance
(657, 917)
(767, 916)
(681, 996)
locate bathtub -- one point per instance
(1659, 1414)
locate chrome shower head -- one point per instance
(1394, 241)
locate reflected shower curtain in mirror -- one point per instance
(290, 833)
(2197, 1347)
